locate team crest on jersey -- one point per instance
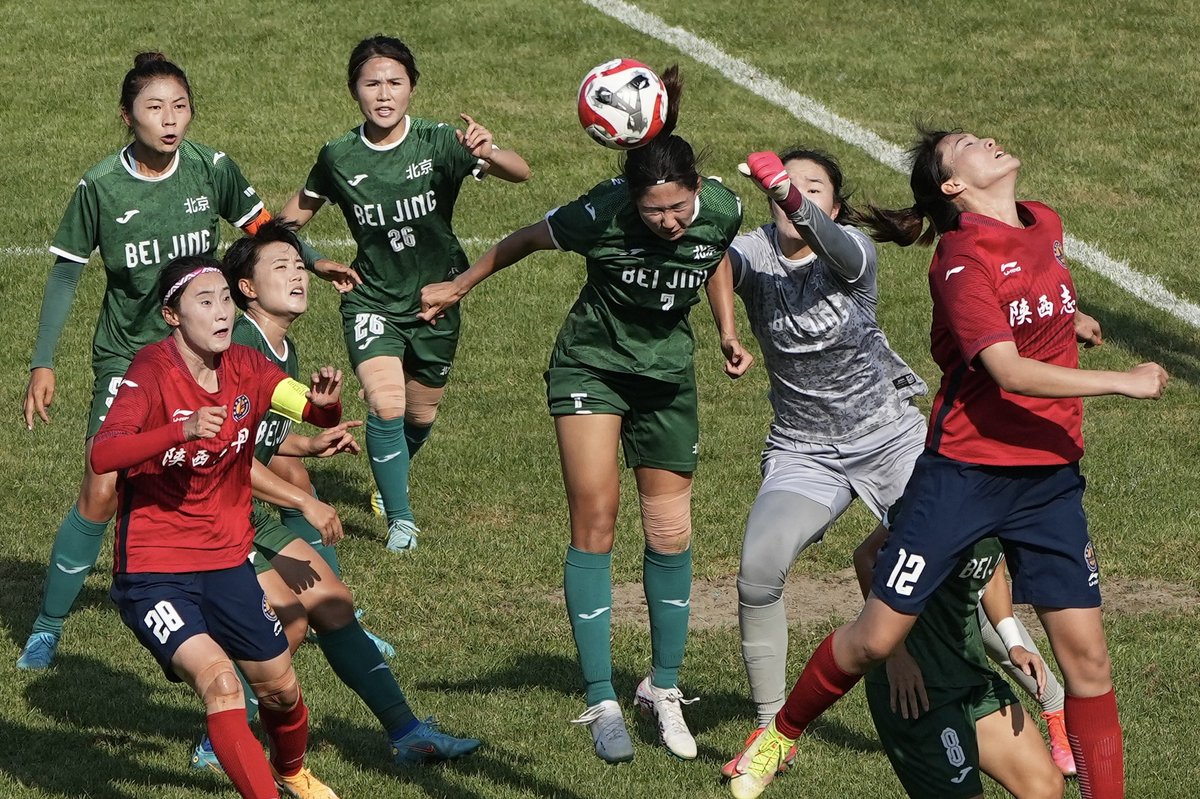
(1059, 255)
(241, 407)
(268, 611)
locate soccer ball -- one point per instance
(622, 104)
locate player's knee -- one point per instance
(278, 693)
(421, 404)
(759, 588)
(667, 521)
(219, 687)
(386, 401)
(330, 606)
(98, 500)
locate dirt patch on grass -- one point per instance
(818, 600)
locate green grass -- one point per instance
(1098, 101)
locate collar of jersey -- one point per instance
(267, 341)
(131, 167)
(789, 262)
(383, 149)
(696, 211)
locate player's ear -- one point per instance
(246, 286)
(170, 316)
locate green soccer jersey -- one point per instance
(398, 202)
(946, 641)
(139, 224)
(274, 428)
(632, 314)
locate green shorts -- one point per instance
(659, 423)
(108, 376)
(270, 536)
(427, 351)
(936, 756)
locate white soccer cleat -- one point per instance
(665, 706)
(609, 734)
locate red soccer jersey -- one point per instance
(188, 509)
(992, 283)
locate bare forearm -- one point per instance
(507, 165)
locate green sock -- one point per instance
(294, 520)
(415, 436)
(587, 584)
(359, 665)
(389, 464)
(667, 580)
(76, 548)
(248, 696)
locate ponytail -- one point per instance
(907, 226)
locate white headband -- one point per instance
(183, 281)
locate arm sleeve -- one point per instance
(239, 203)
(575, 227)
(309, 254)
(56, 306)
(121, 443)
(317, 184)
(850, 254)
(965, 295)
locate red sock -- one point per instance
(287, 730)
(820, 685)
(1096, 742)
(241, 755)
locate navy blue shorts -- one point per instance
(1035, 511)
(164, 610)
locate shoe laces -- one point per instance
(768, 756)
(609, 722)
(670, 714)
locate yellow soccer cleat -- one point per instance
(302, 785)
(759, 763)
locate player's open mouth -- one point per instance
(386, 111)
(1000, 154)
(221, 332)
(169, 139)
(297, 292)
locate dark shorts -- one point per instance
(427, 351)
(936, 756)
(1035, 511)
(270, 536)
(659, 423)
(164, 610)
(107, 380)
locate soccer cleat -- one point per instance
(377, 506)
(729, 770)
(609, 735)
(1060, 747)
(759, 762)
(203, 757)
(402, 536)
(39, 652)
(664, 705)
(426, 743)
(302, 785)
(385, 649)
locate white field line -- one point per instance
(813, 113)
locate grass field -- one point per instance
(1098, 100)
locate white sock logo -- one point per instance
(594, 613)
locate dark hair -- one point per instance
(380, 46)
(666, 158)
(175, 270)
(244, 253)
(846, 215)
(907, 225)
(147, 67)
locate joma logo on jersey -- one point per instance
(150, 252)
(125, 217)
(705, 252)
(407, 209)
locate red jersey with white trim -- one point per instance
(188, 509)
(992, 283)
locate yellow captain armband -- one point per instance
(289, 399)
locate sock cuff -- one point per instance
(1105, 704)
(588, 560)
(377, 424)
(676, 560)
(85, 526)
(334, 637)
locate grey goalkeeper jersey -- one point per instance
(834, 377)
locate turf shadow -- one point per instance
(1126, 328)
(21, 583)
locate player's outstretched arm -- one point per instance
(504, 164)
(1033, 378)
(437, 297)
(270, 487)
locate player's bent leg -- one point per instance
(326, 600)
(781, 524)
(420, 412)
(1093, 727)
(1011, 752)
(74, 553)
(203, 665)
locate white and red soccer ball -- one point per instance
(622, 104)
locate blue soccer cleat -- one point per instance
(39, 651)
(402, 536)
(427, 744)
(203, 757)
(385, 649)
